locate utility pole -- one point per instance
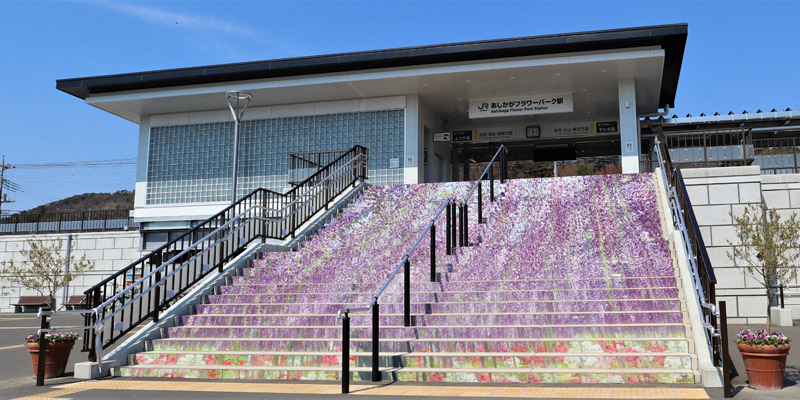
(4, 198)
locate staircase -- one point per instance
(569, 280)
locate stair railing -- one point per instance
(141, 290)
(703, 277)
(456, 225)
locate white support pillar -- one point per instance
(412, 142)
(630, 137)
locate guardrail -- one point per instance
(141, 290)
(455, 210)
(72, 221)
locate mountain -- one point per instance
(119, 200)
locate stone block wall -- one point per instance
(716, 195)
(110, 252)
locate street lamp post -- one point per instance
(237, 101)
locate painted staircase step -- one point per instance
(502, 306)
(656, 343)
(641, 292)
(522, 375)
(478, 319)
(288, 331)
(424, 359)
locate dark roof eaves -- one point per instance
(401, 57)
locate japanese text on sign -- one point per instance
(522, 105)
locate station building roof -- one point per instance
(662, 76)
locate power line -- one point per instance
(116, 161)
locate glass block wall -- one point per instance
(193, 163)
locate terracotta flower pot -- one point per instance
(56, 356)
(765, 365)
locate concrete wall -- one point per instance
(110, 252)
(716, 193)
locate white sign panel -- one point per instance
(441, 137)
(582, 129)
(521, 105)
(494, 134)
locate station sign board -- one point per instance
(521, 105)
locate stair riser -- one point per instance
(608, 346)
(433, 361)
(429, 287)
(449, 279)
(358, 298)
(498, 377)
(426, 332)
(420, 271)
(437, 308)
(442, 320)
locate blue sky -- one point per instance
(739, 56)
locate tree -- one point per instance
(768, 246)
(42, 267)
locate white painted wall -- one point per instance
(110, 251)
(715, 194)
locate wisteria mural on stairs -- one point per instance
(568, 280)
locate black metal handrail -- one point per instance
(141, 290)
(453, 228)
(703, 278)
(303, 165)
(70, 221)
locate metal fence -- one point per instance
(74, 221)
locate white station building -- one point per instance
(425, 113)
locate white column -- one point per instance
(140, 195)
(412, 142)
(629, 126)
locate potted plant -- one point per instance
(764, 355)
(766, 248)
(59, 344)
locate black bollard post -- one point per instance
(726, 356)
(433, 251)
(42, 348)
(480, 204)
(448, 231)
(345, 354)
(407, 293)
(466, 224)
(376, 345)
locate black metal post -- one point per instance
(781, 288)
(376, 345)
(345, 354)
(491, 183)
(157, 300)
(42, 348)
(448, 232)
(221, 256)
(433, 251)
(407, 293)
(726, 355)
(503, 166)
(466, 224)
(480, 203)
(454, 226)
(461, 225)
